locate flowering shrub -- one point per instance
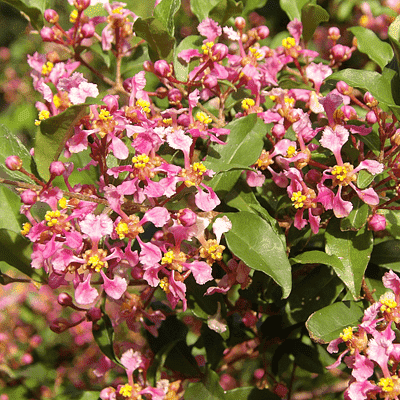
(199, 209)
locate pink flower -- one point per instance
(318, 73)
(210, 29)
(84, 293)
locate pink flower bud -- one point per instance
(27, 359)
(334, 33)
(349, 112)
(59, 325)
(240, 23)
(87, 30)
(29, 197)
(47, 34)
(377, 223)
(227, 382)
(219, 51)
(370, 100)
(281, 390)
(148, 66)
(210, 81)
(262, 31)
(371, 117)
(14, 163)
(343, 88)
(94, 314)
(278, 131)
(51, 16)
(65, 300)
(111, 102)
(57, 168)
(81, 4)
(174, 96)
(313, 176)
(338, 52)
(187, 217)
(162, 68)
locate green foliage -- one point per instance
(32, 9)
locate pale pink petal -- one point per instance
(221, 226)
(114, 288)
(84, 293)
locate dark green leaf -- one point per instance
(293, 8)
(10, 217)
(354, 250)
(159, 40)
(54, 133)
(387, 252)
(326, 324)
(305, 356)
(251, 5)
(33, 9)
(180, 67)
(394, 37)
(103, 333)
(357, 217)
(226, 9)
(201, 8)
(369, 43)
(254, 241)
(12, 146)
(311, 16)
(165, 12)
(208, 389)
(250, 393)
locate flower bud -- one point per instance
(81, 5)
(343, 88)
(240, 23)
(162, 68)
(94, 314)
(29, 197)
(148, 66)
(51, 16)
(210, 81)
(262, 32)
(219, 51)
(377, 223)
(59, 325)
(370, 100)
(65, 300)
(47, 34)
(371, 117)
(278, 131)
(57, 168)
(161, 92)
(187, 217)
(338, 52)
(111, 101)
(334, 33)
(87, 30)
(13, 163)
(174, 96)
(349, 112)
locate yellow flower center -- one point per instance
(254, 51)
(386, 384)
(388, 303)
(289, 101)
(126, 390)
(26, 227)
(363, 21)
(44, 114)
(247, 103)
(347, 334)
(291, 152)
(73, 16)
(207, 47)
(143, 104)
(46, 69)
(56, 101)
(52, 217)
(164, 285)
(288, 43)
(212, 252)
(298, 199)
(340, 172)
(122, 229)
(168, 257)
(203, 117)
(199, 168)
(105, 115)
(94, 262)
(63, 202)
(117, 10)
(140, 161)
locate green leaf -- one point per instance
(353, 249)
(394, 37)
(226, 9)
(12, 146)
(54, 133)
(327, 324)
(165, 12)
(357, 217)
(369, 43)
(103, 333)
(254, 241)
(33, 9)
(201, 8)
(10, 217)
(311, 16)
(208, 389)
(159, 40)
(293, 8)
(386, 253)
(180, 67)
(250, 393)
(243, 147)
(251, 5)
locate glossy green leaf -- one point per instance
(53, 134)
(251, 5)
(243, 147)
(208, 389)
(10, 217)
(293, 8)
(369, 43)
(201, 8)
(353, 249)
(364, 179)
(159, 40)
(250, 393)
(226, 9)
(103, 333)
(357, 217)
(327, 324)
(394, 37)
(254, 241)
(12, 146)
(312, 15)
(165, 12)
(386, 253)
(180, 67)
(32, 9)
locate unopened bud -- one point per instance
(148, 66)
(87, 30)
(59, 325)
(219, 51)
(162, 68)
(187, 217)
(94, 314)
(65, 300)
(344, 88)
(371, 117)
(13, 163)
(81, 5)
(29, 197)
(349, 112)
(57, 168)
(262, 31)
(334, 33)
(278, 131)
(240, 23)
(162, 92)
(210, 81)
(51, 16)
(47, 34)
(174, 96)
(377, 223)
(370, 100)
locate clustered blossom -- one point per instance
(372, 348)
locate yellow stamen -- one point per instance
(247, 103)
(288, 43)
(26, 227)
(46, 68)
(122, 229)
(203, 117)
(388, 302)
(56, 101)
(207, 47)
(168, 257)
(94, 261)
(140, 161)
(254, 51)
(291, 151)
(199, 168)
(386, 384)
(145, 105)
(340, 172)
(347, 334)
(105, 115)
(164, 285)
(63, 202)
(126, 390)
(298, 199)
(73, 16)
(52, 217)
